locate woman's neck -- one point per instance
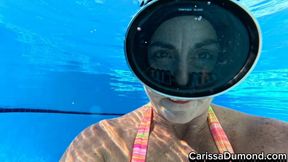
(193, 127)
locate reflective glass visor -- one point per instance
(192, 49)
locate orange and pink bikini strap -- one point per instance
(141, 142)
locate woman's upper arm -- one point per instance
(86, 147)
(272, 135)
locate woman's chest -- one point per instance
(166, 147)
(162, 145)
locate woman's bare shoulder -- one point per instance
(127, 122)
(94, 141)
(253, 133)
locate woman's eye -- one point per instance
(205, 55)
(162, 54)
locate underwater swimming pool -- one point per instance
(59, 59)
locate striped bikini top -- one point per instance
(141, 141)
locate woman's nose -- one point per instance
(182, 74)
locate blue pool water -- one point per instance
(68, 56)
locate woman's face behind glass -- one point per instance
(182, 46)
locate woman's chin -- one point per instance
(178, 117)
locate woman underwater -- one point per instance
(185, 53)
